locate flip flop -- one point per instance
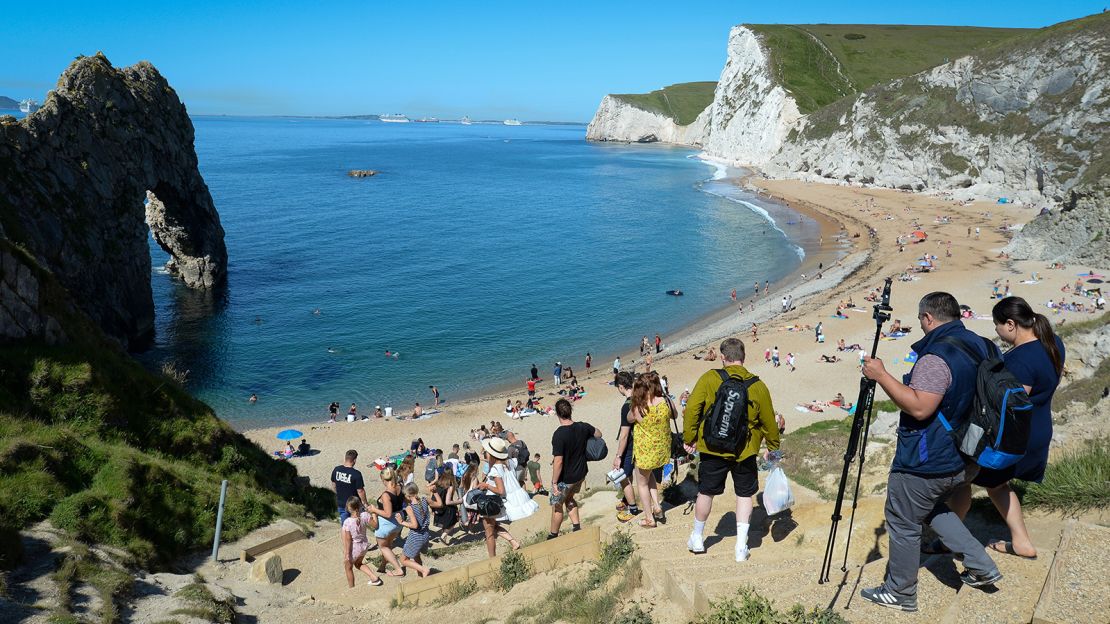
(1007, 548)
(377, 583)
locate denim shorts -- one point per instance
(386, 527)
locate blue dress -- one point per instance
(1032, 366)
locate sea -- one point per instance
(475, 252)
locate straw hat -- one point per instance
(496, 447)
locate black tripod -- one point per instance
(857, 442)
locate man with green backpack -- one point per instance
(728, 416)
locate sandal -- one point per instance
(659, 517)
(644, 523)
(375, 583)
(621, 506)
(1007, 548)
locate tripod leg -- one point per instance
(868, 393)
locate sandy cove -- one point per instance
(968, 275)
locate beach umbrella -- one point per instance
(919, 234)
(289, 434)
(1094, 281)
(923, 263)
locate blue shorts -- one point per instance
(343, 515)
(386, 528)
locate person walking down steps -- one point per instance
(727, 417)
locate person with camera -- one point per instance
(727, 418)
(622, 459)
(927, 467)
(568, 466)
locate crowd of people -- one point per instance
(482, 491)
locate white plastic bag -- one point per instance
(777, 495)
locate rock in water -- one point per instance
(362, 173)
(267, 570)
(75, 177)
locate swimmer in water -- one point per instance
(316, 311)
(331, 350)
(253, 399)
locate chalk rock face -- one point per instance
(751, 114)
(73, 179)
(1026, 122)
(617, 120)
(1079, 231)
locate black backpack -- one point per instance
(726, 427)
(995, 430)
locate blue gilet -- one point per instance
(924, 447)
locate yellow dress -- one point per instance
(651, 438)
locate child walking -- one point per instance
(445, 502)
(534, 475)
(417, 518)
(355, 543)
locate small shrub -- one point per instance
(514, 569)
(854, 36)
(202, 604)
(635, 615)
(1077, 481)
(885, 405)
(172, 372)
(614, 554)
(457, 591)
(748, 606)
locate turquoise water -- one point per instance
(477, 251)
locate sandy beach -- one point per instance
(844, 211)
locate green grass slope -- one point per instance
(821, 63)
(681, 102)
(117, 455)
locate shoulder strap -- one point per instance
(724, 374)
(966, 350)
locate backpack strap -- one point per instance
(966, 350)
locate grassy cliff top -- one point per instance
(681, 102)
(821, 63)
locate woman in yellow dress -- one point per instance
(651, 442)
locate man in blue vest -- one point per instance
(927, 467)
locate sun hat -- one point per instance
(496, 447)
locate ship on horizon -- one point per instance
(428, 120)
(394, 118)
(513, 122)
(29, 106)
(466, 120)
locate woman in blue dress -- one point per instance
(1036, 358)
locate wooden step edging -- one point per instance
(584, 545)
(271, 544)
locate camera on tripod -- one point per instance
(857, 443)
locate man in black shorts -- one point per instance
(716, 464)
(627, 509)
(568, 466)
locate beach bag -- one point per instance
(596, 449)
(777, 496)
(678, 449)
(726, 427)
(518, 505)
(995, 431)
(486, 504)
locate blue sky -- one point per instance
(529, 60)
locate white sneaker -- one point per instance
(742, 553)
(695, 544)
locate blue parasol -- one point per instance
(289, 434)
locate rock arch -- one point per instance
(73, 178)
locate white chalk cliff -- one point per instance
(618, 120)
(1028, 120)
(751, 112)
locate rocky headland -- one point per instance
(1024, 116)
(108, 158)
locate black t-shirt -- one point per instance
(570, 442)
(348, 482)
(627, 407)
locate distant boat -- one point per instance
(28, 106)
(428, 120)
(394, 118)
(513, 122)
(466, 121)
